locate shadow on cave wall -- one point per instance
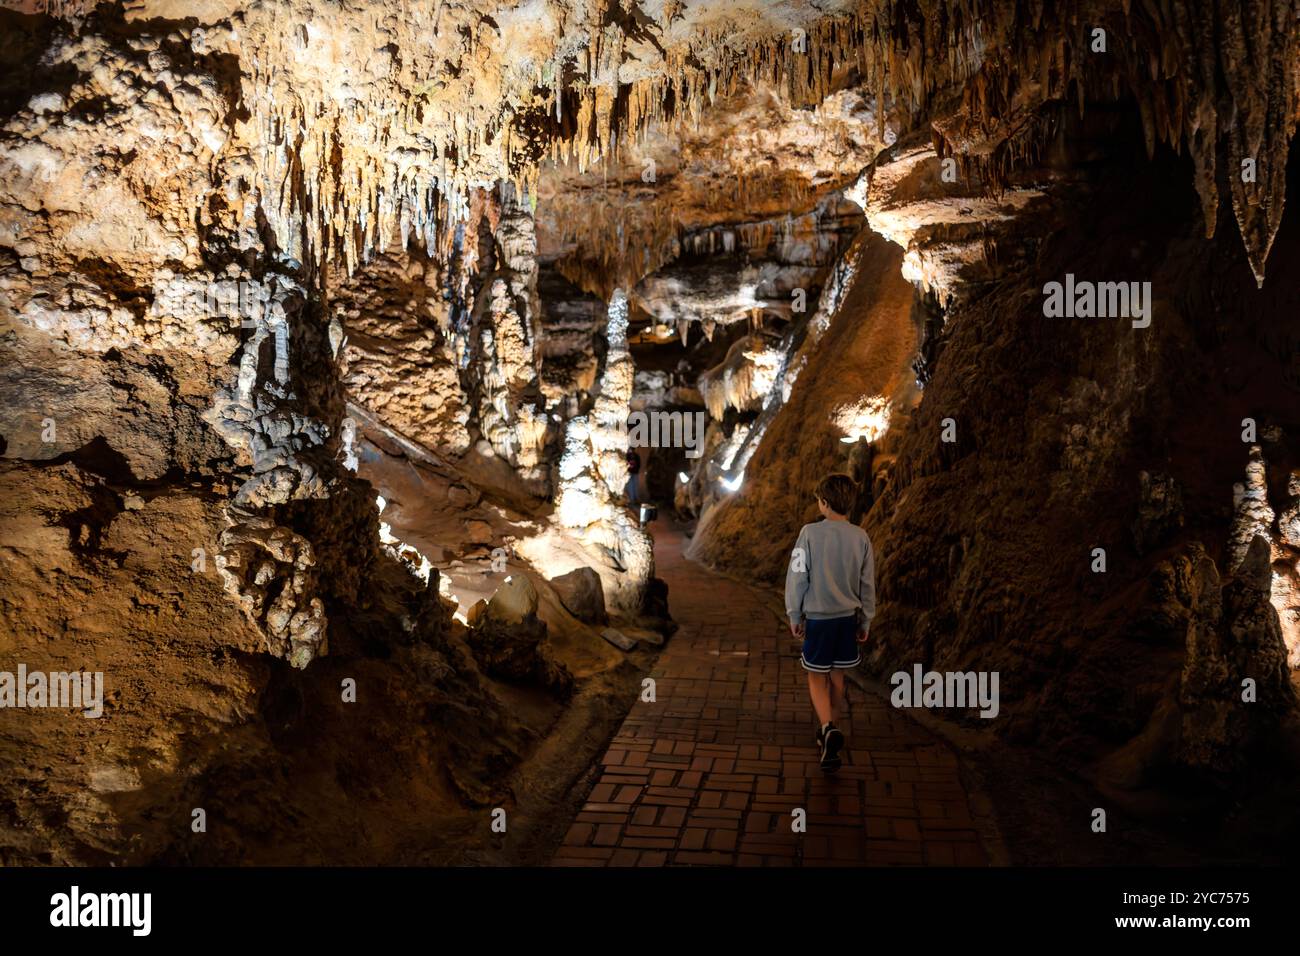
(988, 542)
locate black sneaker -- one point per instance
(821, 737)
(832, 743)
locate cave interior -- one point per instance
(327, 329)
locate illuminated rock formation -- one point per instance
(592, 473)
(265, 263)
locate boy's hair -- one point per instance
(838, 491)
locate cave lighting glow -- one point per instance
(866, 418)
(913, 271)
(732, 484)
(727, 455)
(683, 477)
(444, 590)
(396, 545)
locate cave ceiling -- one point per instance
(361, 121)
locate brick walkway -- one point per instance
(711, 771)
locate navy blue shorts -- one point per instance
(830, 644)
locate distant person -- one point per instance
(633, 489)
(830, 596)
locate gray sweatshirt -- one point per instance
(832, 574)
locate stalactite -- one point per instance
(351, 156)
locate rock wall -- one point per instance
(401, 353)
(179, 510)
(1078, 434)
(116, 280)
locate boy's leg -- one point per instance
(819, 689)
(836, 695)
(846, 654)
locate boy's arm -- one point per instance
(867, 589)
(796, 581)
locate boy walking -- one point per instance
(830, 597)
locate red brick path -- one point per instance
(711, 771)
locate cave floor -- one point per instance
(712, 770)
